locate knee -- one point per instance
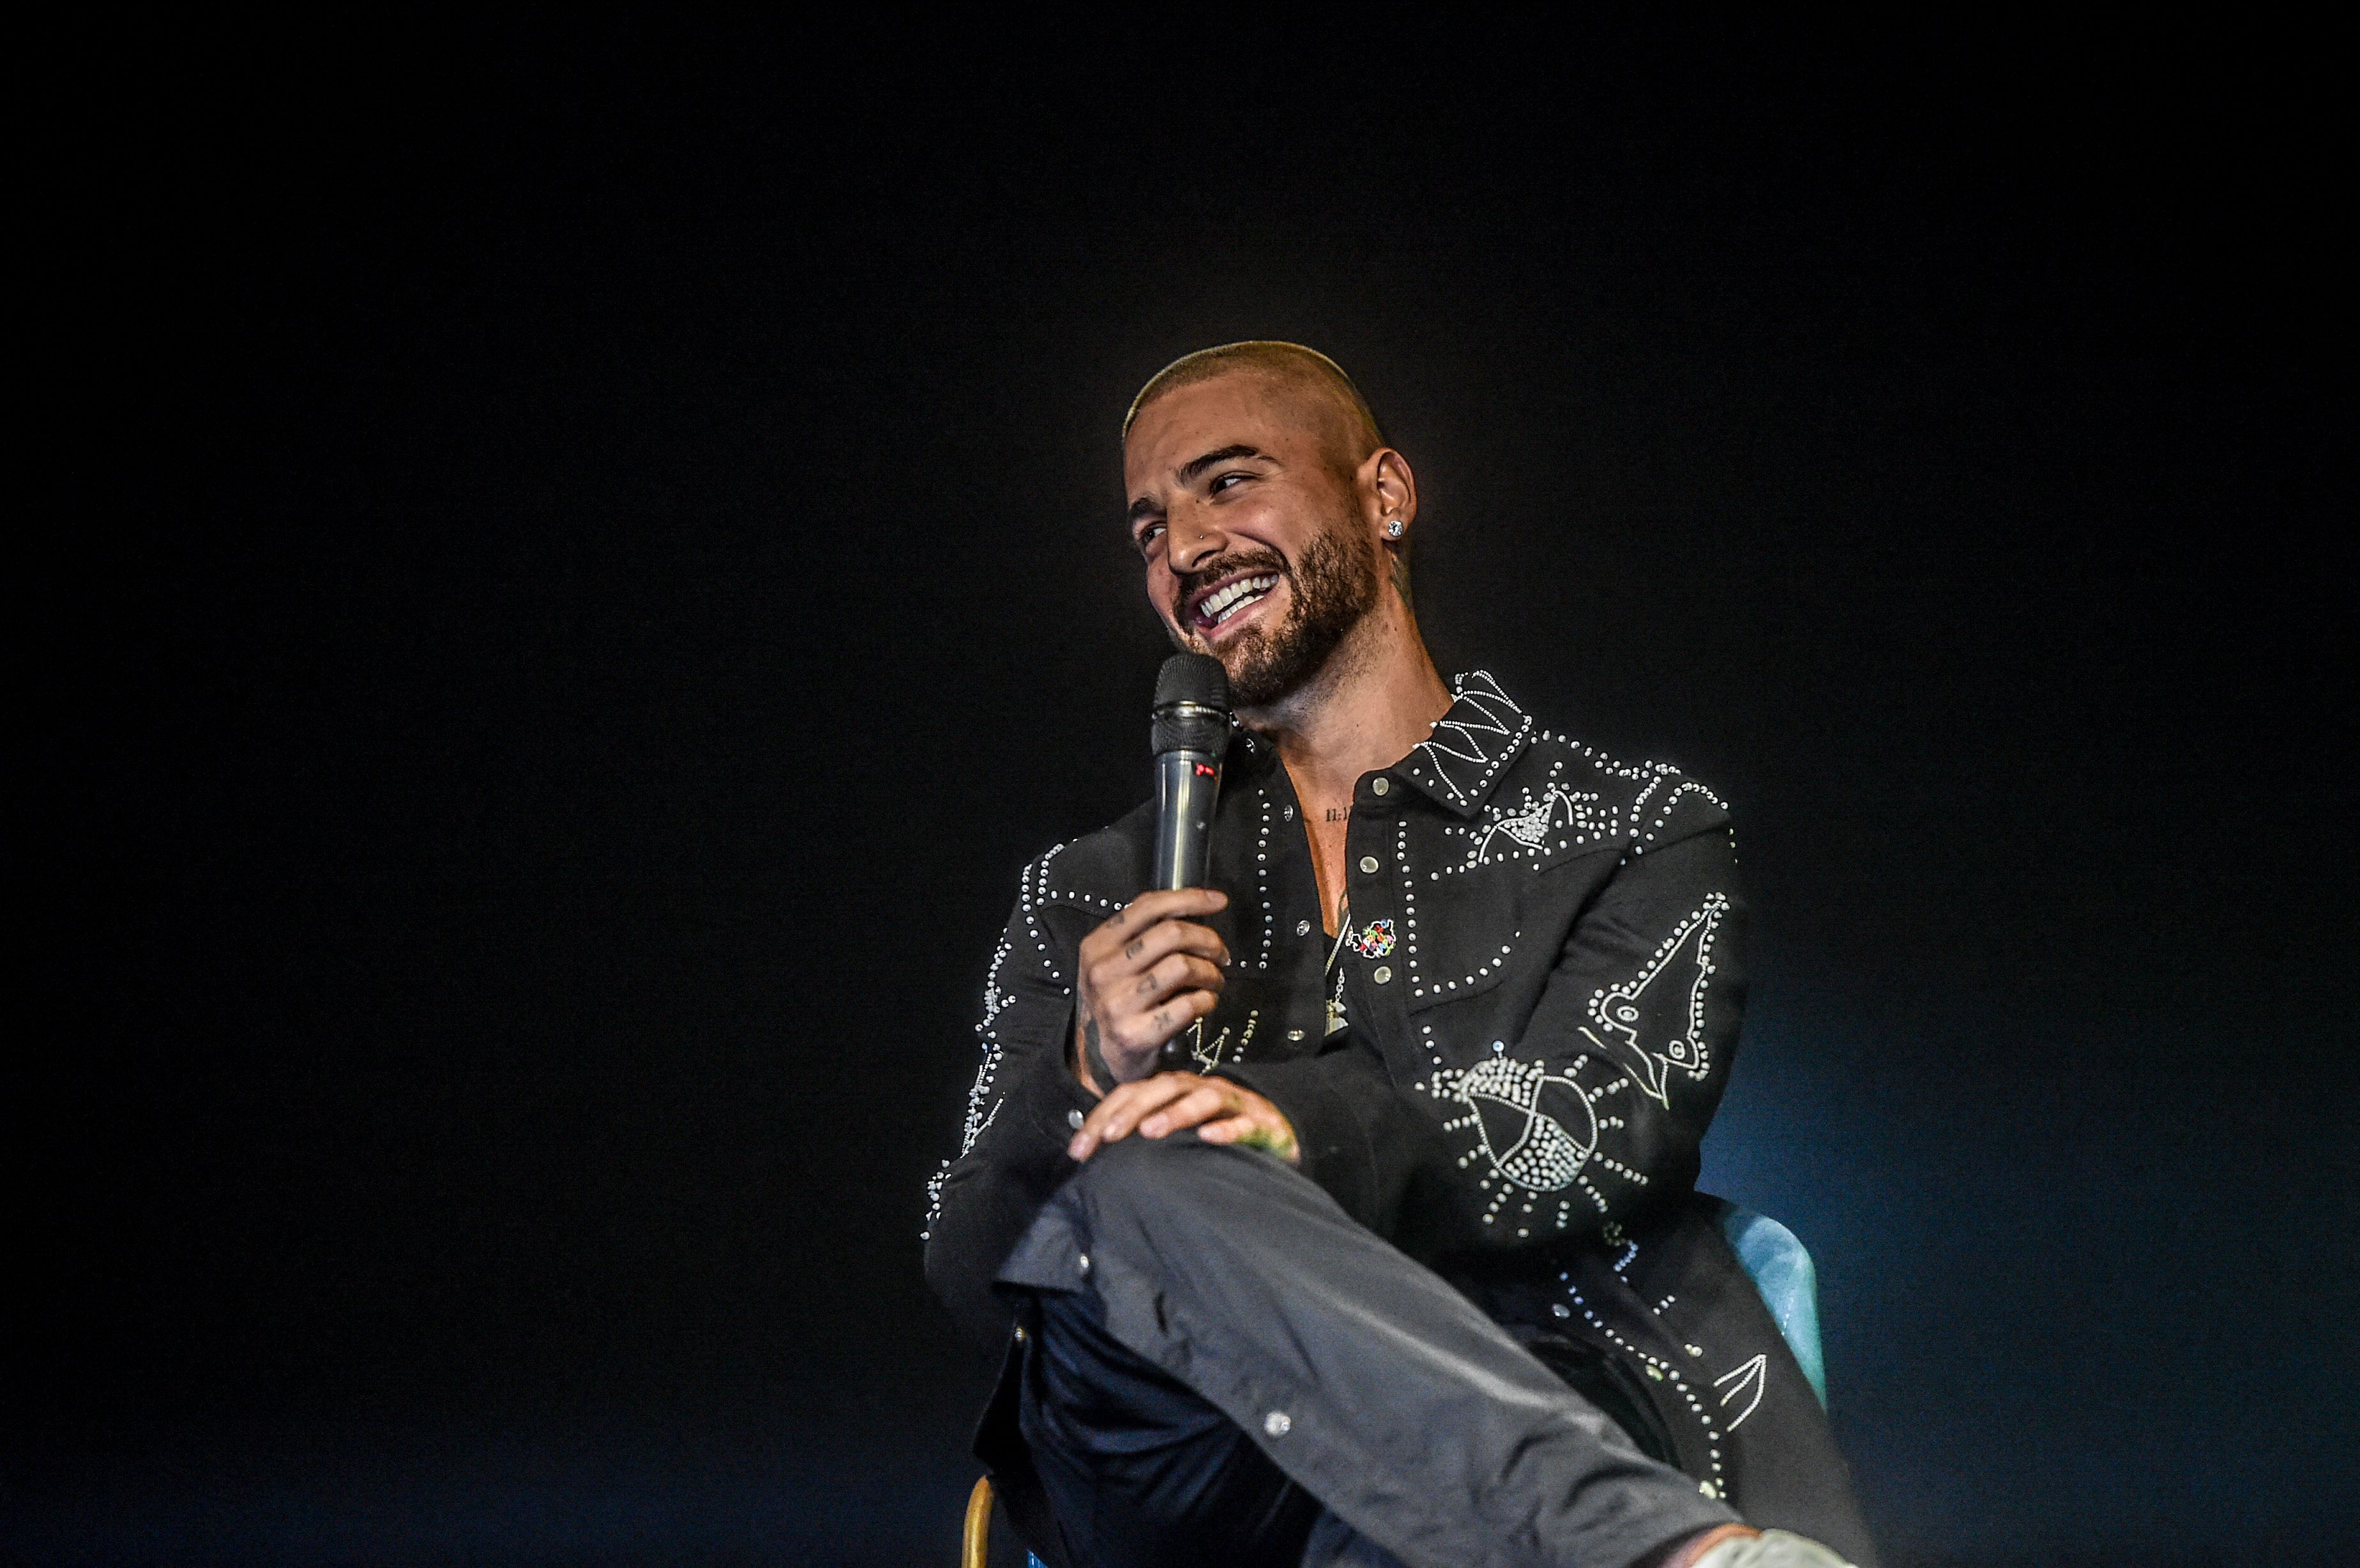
(1153, 1179)
(1135, 1170)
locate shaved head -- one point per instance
(1303, 375)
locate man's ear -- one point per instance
(1390, 488)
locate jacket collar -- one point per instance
(1460, 763)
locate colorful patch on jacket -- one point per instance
(1375, 939)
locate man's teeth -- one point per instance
(1219, 606)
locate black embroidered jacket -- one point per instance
(1544, 991)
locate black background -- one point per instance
(575, 566)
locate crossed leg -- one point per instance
(1224, 1366)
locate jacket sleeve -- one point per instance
(1595, 1111)
(1012, 1149)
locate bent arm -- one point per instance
(1012, 1149)
(1639, 1023)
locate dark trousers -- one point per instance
(1140, 1471)
(1222, 1367)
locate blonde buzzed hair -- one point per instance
(1292, 363)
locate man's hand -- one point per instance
(1220, 1111)
(1144, 975)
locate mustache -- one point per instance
(1224, 566)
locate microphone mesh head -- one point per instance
(1192, 681)
(1196, 677)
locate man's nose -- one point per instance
(1193, 536)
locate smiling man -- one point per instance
(1413, 1268)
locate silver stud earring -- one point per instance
(1393, 529)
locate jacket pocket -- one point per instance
(1477, 925)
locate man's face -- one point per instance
(1257, 549)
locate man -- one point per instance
(1413, 1271)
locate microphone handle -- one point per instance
(1187, 785)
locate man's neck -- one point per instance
(1377, 696)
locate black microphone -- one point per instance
(1191, 732)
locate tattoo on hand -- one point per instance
(1094, 1056)
(1268, 1140)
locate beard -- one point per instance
(1329, 590)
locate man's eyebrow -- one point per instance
(1189, 471)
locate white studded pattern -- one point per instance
(1659, 1030)
(1663, 1371)
(1538, 1132)
(1472, 743)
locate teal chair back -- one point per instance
(1781, 1270)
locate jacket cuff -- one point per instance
(1042, 1099)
